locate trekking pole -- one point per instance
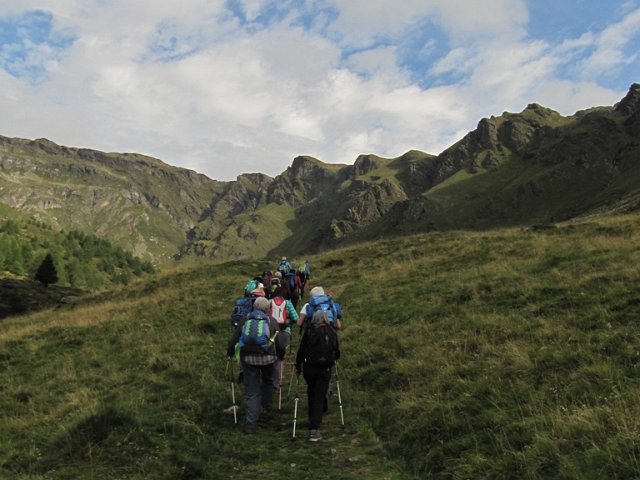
(280, 383)
(290, 380)
(295, 408)
(292, 366)
(233, 393)
(339, 397)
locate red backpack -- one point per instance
(278, 310)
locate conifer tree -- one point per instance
(47, 273)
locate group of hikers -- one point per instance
(263, 319)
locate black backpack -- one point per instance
(321, 346)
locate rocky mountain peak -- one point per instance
(366, 163)
(631, 102)
(486, 135)
(304, 167)
(539, 110)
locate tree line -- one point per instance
(80, 260)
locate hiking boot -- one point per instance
(250, 429)
(266, 415)
(315, 435)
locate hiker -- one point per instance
(254, 284)
(266, 281)
(255, 338)
(317, 354)
(306, 276)
(283, 311)
(319, 300)
(292, 286)
(283, 266)
(302, 279)
(307, 269)
(259, 291)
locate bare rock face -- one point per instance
(630, 104)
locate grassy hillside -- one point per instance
(503, 354)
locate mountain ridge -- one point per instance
(535, 166)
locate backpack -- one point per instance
(305, 271)
(292, 285)
(242, 307)
(283, 267)
(250, 286)
(255, 331)
(321, 346)
(326, 304)
(278, 310)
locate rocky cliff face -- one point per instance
(137, 202)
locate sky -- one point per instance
(226, 87)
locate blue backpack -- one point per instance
(283, 267)
(327, 305)
(242, 308)
(255, 330)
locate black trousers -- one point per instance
(317, 385)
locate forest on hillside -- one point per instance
(81, 260)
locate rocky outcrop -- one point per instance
(630, 104)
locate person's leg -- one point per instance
(277, 379)
(317, 382)
(323, 378)
(266, 387)
(251, 380)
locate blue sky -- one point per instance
(226, 87)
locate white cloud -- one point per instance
(505, 19)
(380, 62)
(190, 83)
(611, 47)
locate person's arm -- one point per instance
(292, 315)
(338, 312)
(303, 315)
(337, 347)
(231, 346)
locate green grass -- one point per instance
(502, 354)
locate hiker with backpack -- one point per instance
(292, 286)
(283, 311)
(317, 354)
(255, 337)
(304, 272)
(283, 266)
(254, 288)
(319, 300)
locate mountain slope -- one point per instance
(528, 168)
(137, 202)
(495, 354)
